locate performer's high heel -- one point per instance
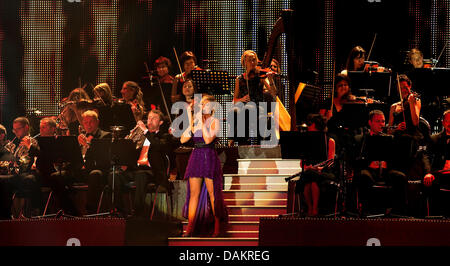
(189, 229)
(217, 227)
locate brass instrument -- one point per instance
(137, 136)
(21, 159)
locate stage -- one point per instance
(317, 232)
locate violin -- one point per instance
(372, 66)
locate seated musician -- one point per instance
(355, 60)
(315, 179)
(369, 173)
(46, 173)
(5, 192)
(95, 173)
(188, 62)
(404, 115)
(152, 162)
(24, 183)
(415, 58)
(440, 166)
(103, 102)
(250, 87)
(276, 80)
(74, 106)
(132, 95)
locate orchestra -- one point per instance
(101, 114)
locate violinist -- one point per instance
(367, 173)
(189, 62)
(355, 60)
(153, 99)
(132, 95)
(276, 80)
(251, 86)
(103, 101)
(73, 106)
(404, 115)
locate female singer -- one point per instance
(314, 179)
(189, 63)
(355, 60)
(204, 200)
(132, 95)
(405, 114)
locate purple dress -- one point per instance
(204, 162)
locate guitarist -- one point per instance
(314, 179)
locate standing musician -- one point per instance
(96, 174)
(132, 95)
(404, 115)
(368, 173)
(189, 62)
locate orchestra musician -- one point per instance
(355, 60)
(73, 106)
(132, 95)
(153, 99)
(404, 115)
(24, 183)
(276, 80)
(315, 179)
(95, 172)
(251, 86)
(189, 62)
(103, 104)
(368, 173)
(415, 58)
(46, 173)
(438, 151)
(5, 191)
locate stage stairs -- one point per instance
(258, 190)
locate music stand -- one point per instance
(57, 150)
(355, 115)
(211, 81)
(379, 83)
(111, 153)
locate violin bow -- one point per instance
(162, 93)
(332, 89)
(178, 61)
(401, 98)
(371, 47)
